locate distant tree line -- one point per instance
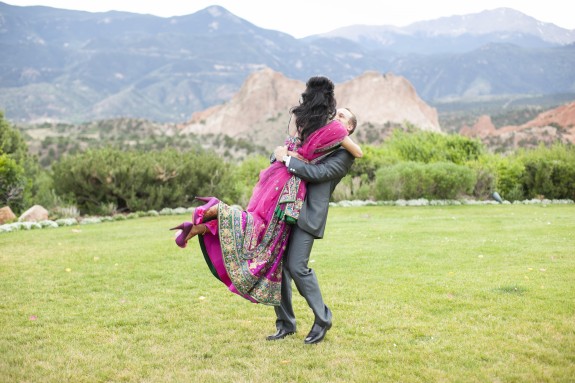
(409, 164)
(53, 141)
(419, 164)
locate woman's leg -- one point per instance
(197, 229)
(211, 213)
(210, 226)
(209, 208)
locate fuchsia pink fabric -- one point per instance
(244, 248)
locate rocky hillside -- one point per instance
(383, 99)
(254, 121)
(259, 112)
(550, 126)
(75, 67)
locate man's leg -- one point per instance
(285, 317)
(284, 312)
(305, 279)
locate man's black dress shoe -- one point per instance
(316, 334)
(280, 334)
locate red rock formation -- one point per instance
(378, 99)
(36, 213)
(259, 112)
(556, 125)
(482, 128)
(6, 215)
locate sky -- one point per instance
(301, 18)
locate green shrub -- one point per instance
(549, 172)
(412, 180)
(354, 188)
(497, 173)
(429, 147)
(246, 176)
(12, 182)
(373, 159)
(508, 173)
(14, 163)
(484, 184)
(12, 142)
(450, 181)
(25, 192)
(138, 180)
(65, 211)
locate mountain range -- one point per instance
(458, 34)
(62, 65)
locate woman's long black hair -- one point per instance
(317, 106)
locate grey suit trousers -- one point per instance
(296, 267)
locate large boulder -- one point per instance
(377, 99)
(6, 215)
(35, 214)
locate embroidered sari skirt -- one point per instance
(245, 250)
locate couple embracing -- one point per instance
(257, 252)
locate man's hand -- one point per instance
(280, 152)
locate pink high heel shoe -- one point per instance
(201, 210)
(185, 227)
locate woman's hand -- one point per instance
(280, 152)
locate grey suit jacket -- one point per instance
(322, 179)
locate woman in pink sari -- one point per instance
(244, 248)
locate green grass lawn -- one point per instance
(418, 294)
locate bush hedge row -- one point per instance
(409, 165)
(137, 180)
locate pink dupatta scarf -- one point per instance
(245, 250)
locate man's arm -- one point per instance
(335, 166)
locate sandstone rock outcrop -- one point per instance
(481, 129)
(259, 112)
(381, 98)
(35, 214)
(555, 125)
(6, 215)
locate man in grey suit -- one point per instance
(322, 179)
